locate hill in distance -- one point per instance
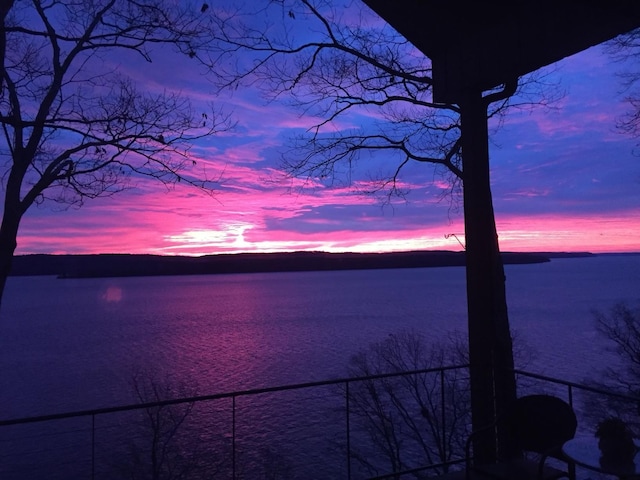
(128, 265)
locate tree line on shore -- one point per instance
(126, 265)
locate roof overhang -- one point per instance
(482, 44)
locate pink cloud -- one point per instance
(516, 195)
(557, 232)
(182, 222)
(259, 208)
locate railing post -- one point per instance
(233, 437)
(443, 413)
(93, 447)
(348, 419)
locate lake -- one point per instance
(77, 343)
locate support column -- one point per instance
(490, 350)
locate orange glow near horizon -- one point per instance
(596, 234)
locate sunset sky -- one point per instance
(563, 180)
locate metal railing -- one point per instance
(572, 386)
(88, 431)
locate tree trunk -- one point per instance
(8, 240)
(5, 7)
(490, 350)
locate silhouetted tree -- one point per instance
(167, 442)
(5, 8)
(74, 125)
(621, 327)
(336, 64)
(371, 93)
(415, 420)
(626, 50)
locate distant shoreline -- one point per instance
(137, 265)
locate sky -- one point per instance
(563, 179)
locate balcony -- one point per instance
(390, 426)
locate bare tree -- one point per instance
(621, 327)
(371, 92)
(339, 64)
(162, 457)
(5, 8)
(74, 127)
(625, 49)
(414, 420)
(166, 443)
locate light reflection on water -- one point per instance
(75, 344)
(65, 345)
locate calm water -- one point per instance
(75, 344)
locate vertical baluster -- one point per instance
(233, 437)
(348, 431)
(443, 413)
(93, 446)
